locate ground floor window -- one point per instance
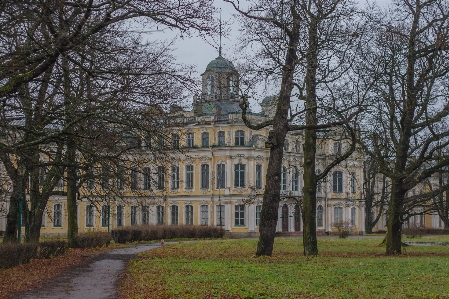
(204, 214)
(160, 214)
(89, 216)
(338, 214)
(174, 215)
(258, 211)
(189, 214)
(220, 215)
(145, 215)
(57, 215)
(120, 216)
(133, 215)
(319, 216)
(104, 216)
(239, 215)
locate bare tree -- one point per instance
(406, 68)
(308, 47)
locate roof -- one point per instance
(220, 65)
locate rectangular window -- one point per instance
(145, 215)
(190, 140)
(204, 176)
(258, 211)
(239, 175)
(133, 215)
(175, 177)
(284, 179)
(338, 214)
(189, 177)
(175, 141)
(104, 216)
(337, 185)
(89, 216)
(160, 177)
(120, 216)
(57, 215)
(319, 216)
(134, 178)
(353, 182)
(295, 179)
(221, 176)
(105, 175)
(239, 138)
(353, 216)
(239, 215)
(221, 138)
(160, 214)
(146, 178)
(204, 214)
(174, 215)
(258, 176)
(205, 139)
(337, 148)
(161, 142)
(189, 214)
(220, 215)
(120, 178)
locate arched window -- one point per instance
(319, 216)
(318, 184)
(232, 84)
(286, 146)
(210, 84)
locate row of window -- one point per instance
(239, 139)
(239, 178)
(239, 215)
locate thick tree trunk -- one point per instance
(309, 201)
(394, 231)
(12, 218)
(72, 221)
(269, 214)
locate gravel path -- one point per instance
(96, 280)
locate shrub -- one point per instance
(16, 254)
(49, 249)
(343, 228)
(417, 232)
(91, 240)
(157, 232)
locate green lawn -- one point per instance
(345, 268)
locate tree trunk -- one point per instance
(309, 191)
(72, 219)
(276, 140)
(394, 224)
(12, 218)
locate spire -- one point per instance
(219, 49)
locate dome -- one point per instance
(220, 65)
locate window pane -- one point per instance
(160, 177)
(239, 217)
(89, 216)
(239, 175)
(258, 211)
(319, 216)
(104, 216)
(220, 215)
(221, 176)
(160, 214)
(337, 182)
(258, 176)
(189, 176)
(205, 139)
(133, 215)
(205, 176)
(204, 215)
(175, 177)
(189, 214)
(145, 215)
(174, 215)
(221, 138)
(239, 138)
(146, 178)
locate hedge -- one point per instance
(16, 254)
(157, 232)
(92, 240)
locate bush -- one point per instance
(16, 254)
(417, 232)
(343, 228)
(49, 249)
(92, 240)
(158, 232)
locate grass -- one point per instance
(345, 268)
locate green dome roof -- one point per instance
(220, 65)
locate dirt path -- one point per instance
(96, 280)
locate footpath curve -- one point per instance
(94, 280)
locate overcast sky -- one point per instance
(195, 51)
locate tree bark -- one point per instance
(12, 218)
(72, 221)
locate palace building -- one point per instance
(218, 175)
